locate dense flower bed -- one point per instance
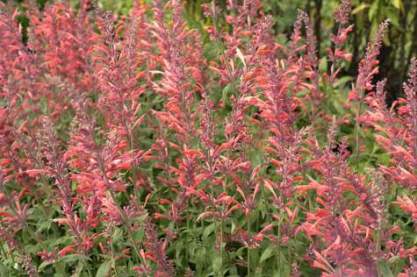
(142, 145)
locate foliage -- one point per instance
(149, 144)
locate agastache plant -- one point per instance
(149, 144)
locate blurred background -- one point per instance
(400, 43)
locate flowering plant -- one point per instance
(143, 146)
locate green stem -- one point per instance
(357, 126)
(113, 256)
(221, 247)
(125, 220)
(248, 258)
(279, 247)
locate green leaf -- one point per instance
(138, 235)
(373, 10)
(342, 81)
(217, 263)
(65, 240)
(208, 230)
(73, 258)
(360, 8)
(104, 269)
(44, 105)
(384, 270)
(43, 265)
(393, 16)
(79, 269)
(398, 4)
(117, 235)
(323, 64)
(233, 228)
(269, 252)
(4, 271)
